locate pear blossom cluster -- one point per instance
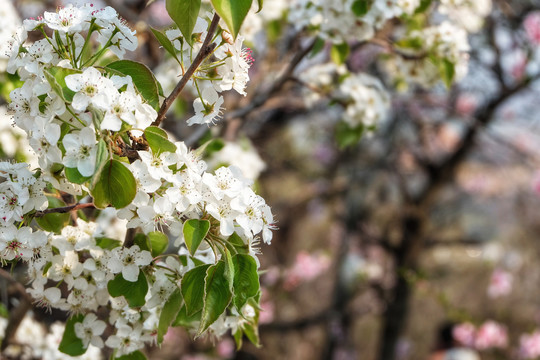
(363, 98)
(227, 70)
(75, 113)
(99, 101)
(167, 197)
(37, 342)
(336, 20)
(10, 23)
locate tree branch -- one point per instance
(206, 49)
(64, 209)
(15, 315)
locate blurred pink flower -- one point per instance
(466, 104)
(529, 345)
(267, 312)
(305, 268)
(532, 27)
(500, 283)
(464, 334)
(491, 335)
(225, 348)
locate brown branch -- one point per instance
(15, 315)
(206, 50)
(64, 209)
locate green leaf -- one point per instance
(246, 279)
(184, 13)
(53, 222)
(252, 333)
(142, 241)
(143, 79)
(361, 7)
(260, 5)
(194, 233)
(74, 176)
(136, 355)
(238, 337)
(339, 53)
(107, 243)
(166, 43)
(233, 12)
(317, 47)
(158, 140)
(448, 71)
(347, 136)
(116, 186)
(56, 78)
(217, 295)
(168, 314)
(71, 344)
(238, 243)
(158, 242)
(229, 268)
(192, 287)
(134, 292)
(185, 321)
(423, 7)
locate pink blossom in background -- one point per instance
(225, 348)
(500, 284)
(491, 335)
(536, 182)
(532, 27)
(305, 268)
(529, 345)
(466, 104)
(266, 315)
(465, 334)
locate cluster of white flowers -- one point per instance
(10, 23)
(33, 341)
(97, 101)
(468, 14)
(190, 192)
(363, 97)
(75, 113)
(336, 20)
(242, 155)
(228, 70)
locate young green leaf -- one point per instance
(260, 5)
(184, 13)
(246, 279)
(339, 53)
(136, 355)
(107, 243)
(347, 136)
(71, 344)
(116, 186)
(192, 288)
(194, 233)
(158, 140)
(74, 176)
(143, 79)
(165, 42)
(168, 314)
(361, 7)
(134, 292)
(448, 71)
(233, 12)
(217, 295)
(142, 241)
(158, 242)
(54, 222)
(185, 321)
(56, 78)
